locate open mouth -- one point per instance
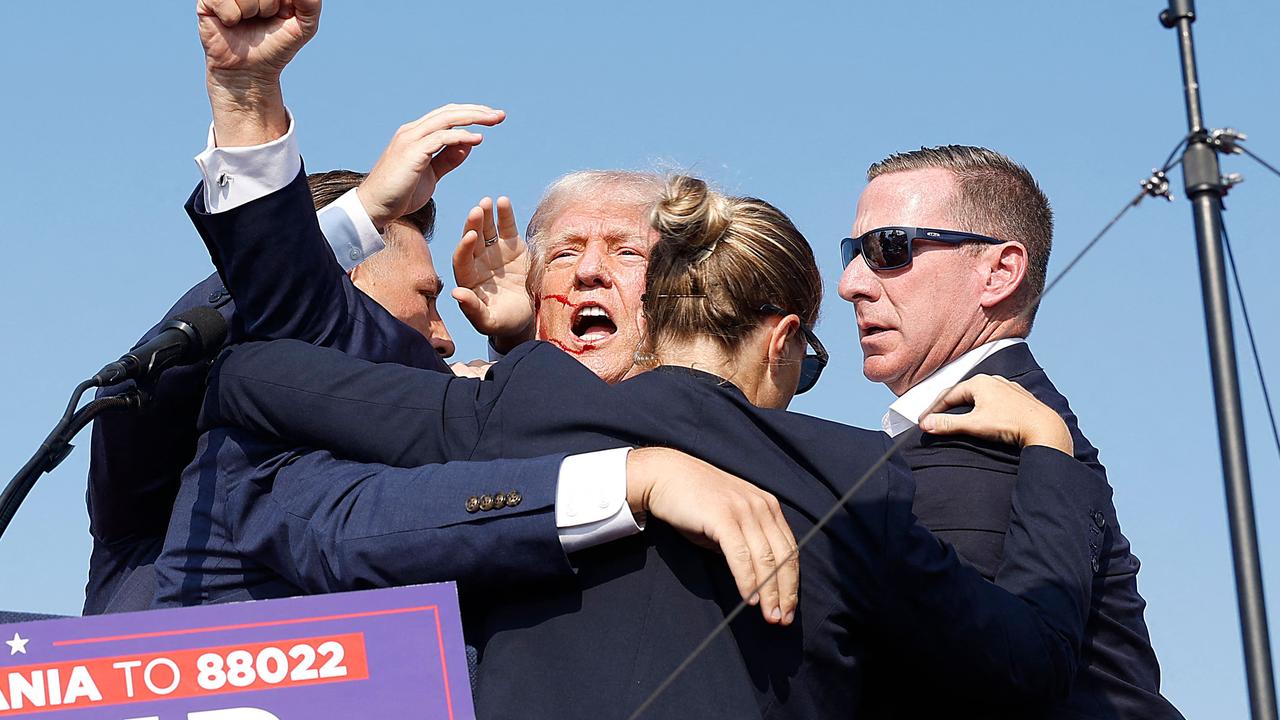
(592, 324)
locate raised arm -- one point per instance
(254, 210)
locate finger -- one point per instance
(507, 227)
(449, 159)
(763, 558)
(738, 557)
(464, 255)
(468, 302)
(227, 11)
(268, 8)
(456, 116)
(437, 141)
(955, 396)
(970, 423)
(490, 231)
(286, 9)
(784, 551)
(248, 8)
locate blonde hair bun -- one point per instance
(692, 217)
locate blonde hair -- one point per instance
(599, 187)
(718, 261)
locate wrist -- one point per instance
(1056, 436)
(640, 480)
(378, 214)
(247, 113)
(507, 342)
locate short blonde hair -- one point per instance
(619, 187)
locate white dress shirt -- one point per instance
(905, 412)
(591, 495)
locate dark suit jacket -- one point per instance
(138, 460)
(134, 470)
(965, 490)
(595, 644)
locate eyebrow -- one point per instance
(435, 284)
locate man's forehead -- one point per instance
(914, 198)
(587, 220)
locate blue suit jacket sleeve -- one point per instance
(372, 412)
(277, 265)
(1021, 634)
(329, 525)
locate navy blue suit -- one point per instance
(135, 467)
(137, 463)
(595, 643)
(964, 493)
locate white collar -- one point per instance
(905, 412)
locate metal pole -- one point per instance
(1204, 187)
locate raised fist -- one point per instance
(254, 39)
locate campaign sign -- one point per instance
(394, 653)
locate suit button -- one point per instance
(499, 501)
(1099, 519)
(473, 504)
(513, 498)
(486, 502)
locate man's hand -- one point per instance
(420, 153)
(490, 266)
(477, 369)
(1003, 411)
(717, 510)
(247, 44)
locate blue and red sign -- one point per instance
(395, 653)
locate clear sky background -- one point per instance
(104, 108)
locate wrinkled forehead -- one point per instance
(612, 223)
(915, 198)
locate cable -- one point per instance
(898, 444)
(1259, 160)
(1253, 345)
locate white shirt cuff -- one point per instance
(591, 500)
(349, 230)
(239, 175)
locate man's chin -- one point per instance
(608, 364)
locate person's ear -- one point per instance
(1004, 270)
(780, 339)
(358, 275)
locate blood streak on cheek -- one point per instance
(562, 299)
(571, 351)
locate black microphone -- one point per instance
(187, 338)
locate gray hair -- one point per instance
(642, 190)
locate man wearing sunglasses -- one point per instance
(945, 270)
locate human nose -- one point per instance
(858, 281)
(593, 268)
(440, 338)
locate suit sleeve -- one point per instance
(276, 263)
(1018, 640)
(330, 525)
(309, 396)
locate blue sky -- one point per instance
(789, 102)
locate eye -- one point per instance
(630, 252)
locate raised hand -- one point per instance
(717, 510)
(1003, 411)
(254, 37)
(490, 267)
(247, 44)
(420, 153)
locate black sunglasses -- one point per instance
(889, 248)
(812, 365)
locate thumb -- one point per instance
(469, 303)
(448, 159)
(943, 424)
